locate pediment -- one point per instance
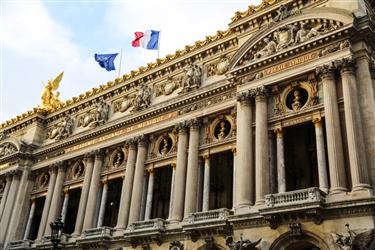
(278, 37)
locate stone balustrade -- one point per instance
(212, 215)
(20, 244)
(155, 224)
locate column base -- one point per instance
(362, 187)
(362, 191)
(338, 190)
(260, 202)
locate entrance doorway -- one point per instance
(221, 180)
(301, 165)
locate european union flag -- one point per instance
(106, 60)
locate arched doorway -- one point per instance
(306, 241)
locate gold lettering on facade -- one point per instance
(122, 131)
(4, 166)
(291, 63)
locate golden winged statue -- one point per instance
(50, 95)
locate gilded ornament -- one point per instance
(50, 95)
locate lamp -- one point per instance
(56, 229)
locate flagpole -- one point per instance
(119, 68)
(159, 43)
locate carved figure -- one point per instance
(354, 241)
(222, 66)
(278, 106)
(7, 149)
(285, 36)
(44, 180)
(192, 77)
(269, 48)
(296, 105)
(282, 13)
(143, 97)
(304, 35)
(62, 130)
(165, 147)
(119, 158)
(79, 171)
(50, 97)
(242, 244)
(101, 112)
(221, 134)
(125, 104)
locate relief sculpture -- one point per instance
(61, 130)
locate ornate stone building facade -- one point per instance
(259, 137)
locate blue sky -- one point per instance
(39, 39)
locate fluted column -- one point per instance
(55, 208)
(206, 184)
(244, 174)
(281, 182)
(356, 146)
(150, 192)
(321, 155)
(64, 209)
(261, 142)
(191, 193)
(47, 202)
(136, 199)
(8, 180)
(127, 186)
(333, 130)
(180, 177)
(103, 204)
(89, 166)
(93, 192)
(29, 220)
(173, 165)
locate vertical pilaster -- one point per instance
(103, 203)
(47, 202)
(281, 182)
(55, 208)
(173, 165)
(136, 200)
(29, 220)
(64, 209)
(321, 155)
(206, 183)
(261, 142)
(333, 130)
(244, 174)
(93, 192)
(8, 180)
(191, 193)
(89, 166)
(150, 192)
(127, 185)
(180, 177)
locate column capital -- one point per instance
(346, 65)
(66, 191)
(317, 122)
(151, 171)
(131, 143)
(244, 98)
(234, 150)
(105, 182)
(142, 140)
(99, 153)
(206, 157)
(259, 93)
(173, 165)
(194, 123)
(279, 132)
(181, 127)
(326, 71)
(89, 156)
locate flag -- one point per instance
(106, 60)
(147, 40)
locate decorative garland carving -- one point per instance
(95, 117)
(218, 68)
(124, 104)
(169, 86)
(61, 130)
(7, 148)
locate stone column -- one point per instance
(29, 220)
(261, 142)
(64, 209)
(136, 200)
(150, 192)
(356, 144)
(8, 179)
(89, 166)
(55, 208)
(103, 204)
(7, 214)
(234, 150)
(180, 177)
(333, 130)
(47, 202)
(127, 186)
(206, 184)
(272, 161)
(244, 175)
(191, 193)
(173, 165)
(281, 181)
(321, 155)
(93, 193)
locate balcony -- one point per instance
(20, 244)
(145, 232)
(95, 237)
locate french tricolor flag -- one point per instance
(147, 40)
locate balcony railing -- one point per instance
(20, 244)
(313, 194)
(213, 215)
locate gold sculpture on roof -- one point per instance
(50, 95)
